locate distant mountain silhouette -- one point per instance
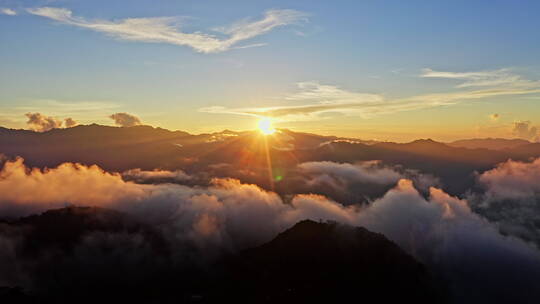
(454, 166)
(489, 143)
(119, 149)
(223, 154)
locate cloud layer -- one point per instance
(167, 29)
(440, 230)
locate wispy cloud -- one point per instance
(501, 77)
(7, 11)
(319, 98)
(167, 29)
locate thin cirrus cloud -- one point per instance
(167, 29)
(501, 77)
(7, 11)
(319, 98)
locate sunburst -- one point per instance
(265, 126)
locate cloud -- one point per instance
(454, 242)
(468, 252)
(167, 29)
(318, 99)
(70, 122)
(41, 123)
(512, 180)
(8, 11)
(363, 172)
(55, 188)
(523, 129)
(353, 183)
(321, 98)
(511, 198)
(155, 176)
(502, 77)
(92, 111)
(125, 120)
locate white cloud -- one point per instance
(512, 180)
(167, 29)
(501, 77)
(8, 11)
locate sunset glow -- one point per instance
(266, 127)
(269, 151)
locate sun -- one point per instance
(265, 126)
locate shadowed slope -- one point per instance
(326, 262)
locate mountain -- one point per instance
(247, 155)
(84, 255)
(62, 229)
(145, 147)
(326, 263)
(489, 143)
(81, 254)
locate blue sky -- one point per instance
(373, 65)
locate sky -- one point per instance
(384, 70)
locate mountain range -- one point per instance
(221, 154)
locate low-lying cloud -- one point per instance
(355, 183)
(155, 176)
(511, 198)
(512, 180)
(440, 230)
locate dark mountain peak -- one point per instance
(426, 141)
(227, 131)
(316, 262)
(310, 236)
